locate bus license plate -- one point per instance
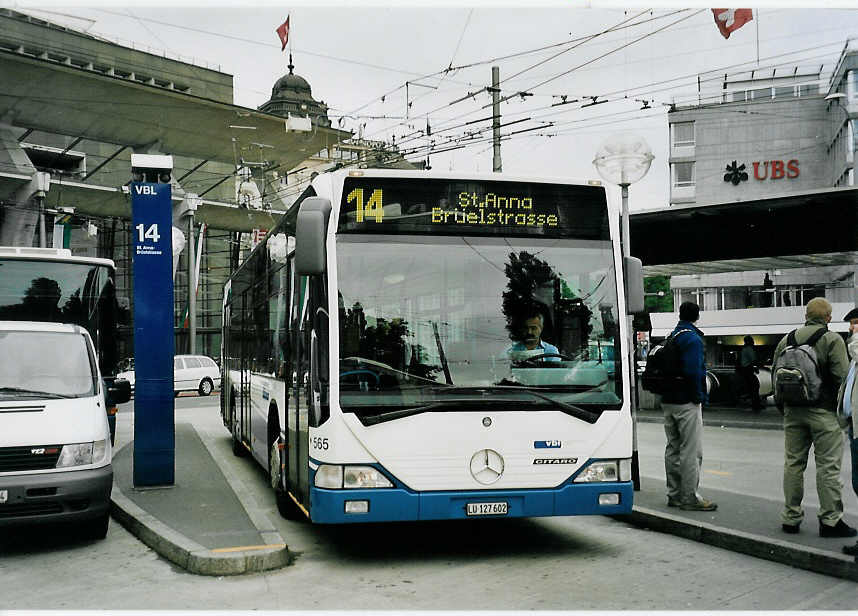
(4, 496)
(486, 508)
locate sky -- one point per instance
(632, 60)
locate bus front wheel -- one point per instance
(285, 507)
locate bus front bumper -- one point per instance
(398, 504)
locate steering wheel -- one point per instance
(375, 375)
(536, 358)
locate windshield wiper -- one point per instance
(32, 392)
(571, 409)
(371, 420)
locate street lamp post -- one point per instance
(624, 160)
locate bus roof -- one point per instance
(49, 254)
(455, 175)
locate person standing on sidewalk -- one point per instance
(847, 406)
(816, 425)
(748, 373)
(683, 416)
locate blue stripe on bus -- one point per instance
(400, 504)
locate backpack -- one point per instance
(663, 371)
(796, 377)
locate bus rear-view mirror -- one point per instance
(310, 231)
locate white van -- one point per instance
(55, 452)
(190, 373)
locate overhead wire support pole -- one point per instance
(497, 166)
(192, 283)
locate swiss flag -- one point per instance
(283, 33)
(730, 20)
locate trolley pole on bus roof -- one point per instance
(497, 167)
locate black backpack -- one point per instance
(663, 371)
(796, 377)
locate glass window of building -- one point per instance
(809, 89)
(683, 174)
(683, 133)
(762, 93)
(784, 91)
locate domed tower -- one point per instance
(291, 95)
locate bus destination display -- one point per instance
(395, 205)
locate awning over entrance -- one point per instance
(67, 100)
(749, 321)
(104, 201)
(800, 230)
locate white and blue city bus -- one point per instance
(407, 345)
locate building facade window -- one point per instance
(810, 89)
(683, 134)
(683, 174)
(850, 141)
(762, 93)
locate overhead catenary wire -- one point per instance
(549, 115)
(639, 90)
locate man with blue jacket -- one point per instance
(683, 416)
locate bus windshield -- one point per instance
(63, 292)
(476, 321)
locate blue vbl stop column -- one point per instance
(154, 405)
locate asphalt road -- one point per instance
(740, 460)
(587, 563)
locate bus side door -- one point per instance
(298, 440)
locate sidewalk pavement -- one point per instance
(749, 525)
(743, 523)
(207, 522)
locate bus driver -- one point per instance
(532, 344)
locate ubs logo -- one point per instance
(766, 169)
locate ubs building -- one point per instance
(762, 214)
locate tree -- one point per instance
(654, 302)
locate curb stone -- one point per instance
(189, 554)
(802, 557)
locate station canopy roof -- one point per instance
(806, 229)
(43, 95)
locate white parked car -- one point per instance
(190, 373)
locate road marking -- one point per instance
(244, 548)
(722, 473)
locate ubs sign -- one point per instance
(763, 170)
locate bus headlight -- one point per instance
(337, 476)
(626, 469)
(329, 476)
(599, 471)
(364, 477)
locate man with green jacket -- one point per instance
(816, 425)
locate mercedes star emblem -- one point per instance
(487, 466)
